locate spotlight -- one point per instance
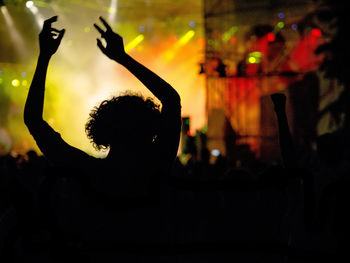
(29, 4)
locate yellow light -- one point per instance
(15, 83)
(252, 60)
(137, 40)
(112, 10)
(87, 29)
(185, 38)
(24, 83)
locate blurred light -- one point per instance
(0, 80)
(15, 83)
(0, 71)
(185, 38)
(188, 133)
(87, 29)
(112, 10)
(24, 83)
(38, 17)
(233, 40)
(29, 4)
(281, 15)
(228, 34)
(23, 74)
(192, 24)
(215, 152)
(280, 24)
(270, 37)
(141, 28)
(252, 60)
(316, 32)
(137, 40)
(256, 54)
(294, 26)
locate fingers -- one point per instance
(106, 24)
(99, 30)
(60, 35)
(48, 22)
(100, 45)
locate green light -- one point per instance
(15, 83)
(255, 54)
(280, 24)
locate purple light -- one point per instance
(294, 26)
(281, 15)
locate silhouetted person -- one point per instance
(142, 139)
(285, 138)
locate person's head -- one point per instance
(122, 121)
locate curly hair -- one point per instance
(128, 117)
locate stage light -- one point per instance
(215, 152)
(192, 24)
(23, 74)
(0, 80)
(228, 34)
(112, 10)
(270, 37)
(24, 83)
(294, 26)
(87, 29)
(141, 28)
(281, 15)
(0, 71)
(280, 24)
(29, 4)
(137, 40)
(316, 32)
(185, 38)
(254, 57)
(15, 83)
(252, 60)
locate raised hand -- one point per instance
(279, 101)
(115, 46)
(50, 38)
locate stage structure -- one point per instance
(254, 49)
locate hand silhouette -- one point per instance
(50, 38)
(115, 47)
(279, 101)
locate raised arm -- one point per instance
(49, 40)
(50, 142)
(285, 138)
(170, 99)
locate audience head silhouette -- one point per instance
(123, 121)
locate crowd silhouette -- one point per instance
(141, 204)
